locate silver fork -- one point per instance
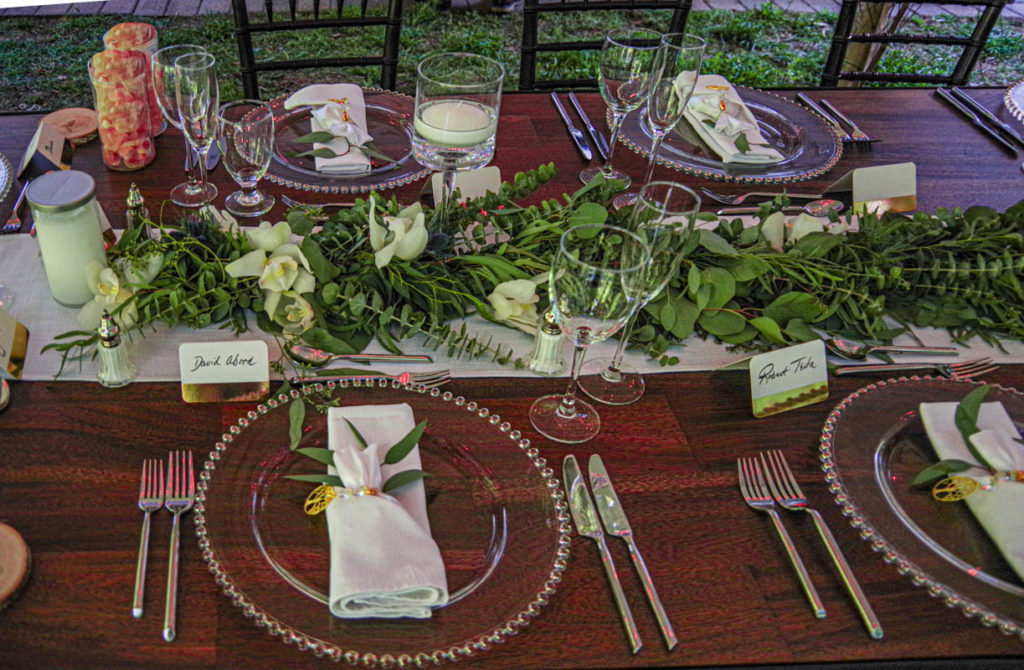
(738, 199)
(151, 498)
(179, 497)
(427, 379)
(13, 224)
(788, 493)
(292, 202)
(756, 495)
(964, 370)
(856, 133)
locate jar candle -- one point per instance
(455, 123)
(122, 108)
(139, 37)
(67, 220)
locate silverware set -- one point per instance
(576, 134)
(178, 495)
(426, 379)
(585, 516)
(765, 480)
(849, 132)
(987, 122)
(963, 370)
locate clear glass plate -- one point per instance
(6, 176)
(809, 145)
(1014, 100)
(497, 512)
(388, 120)
(872, 446)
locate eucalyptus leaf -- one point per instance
(939, 470)
(316, 137)
(330, 480)
(966, 419)
(588, 213)
(322, 270)
(721, 322)
(296, 417)
(325, 456)
(715, 243)
(402, 448)
(356, 434)
(322, 152)
(769, 328)
(400, 479)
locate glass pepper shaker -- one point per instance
(116, 369)
(137, 216)
(548, 356)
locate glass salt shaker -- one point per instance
(116, 369)
(548, 356)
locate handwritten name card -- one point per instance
(788, 378)
(235, 371)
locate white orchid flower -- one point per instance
(106, 287)
(404, 235)
(289, 310)
(515, 303)
(269, 237)
(335, 119)
(284, 268)
(142, 271)
(226, 223)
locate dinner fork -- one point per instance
(13, 224)
(151, 498)
(292, 202)
(964, 370)
(756, 495)
(427, 379)
(788, 494)
(179, 496)
(856, 133)
(738, 199)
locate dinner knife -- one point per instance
(858, 135)
(574, 132)
(599, 141)
(976, 120)
(585, 517)
(1006, 129)
(832, 121)
(616, 523)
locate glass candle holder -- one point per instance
(122, 108)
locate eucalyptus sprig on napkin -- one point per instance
(966, 419)
(326, 137)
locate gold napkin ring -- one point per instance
(323, 495)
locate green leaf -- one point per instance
(769, 328)
(321, 339)
(742, 144)
(355, 432)
(402, 448)
(296, 416)
(299, 222)
(966, 420)
(325, 456)
(330, 480)
(721, 322)
(400, 479)
(723, 286)
(939, 470)
(715, 243)
(794, 305)
(322, 152)
(322, 269)
(318, 137)
(588, 212)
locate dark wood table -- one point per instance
(70, 454)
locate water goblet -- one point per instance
(246, 143)
(592, 296)
(663, 217)
(673, 77)
(198, 98)
(627, 56)
(458, 96)
(189, 193)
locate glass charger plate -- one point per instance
(1014, 100)
(388, 116)
(872, 446)
(6, 176)
(496, 509)
(810, 146)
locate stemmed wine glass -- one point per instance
(198, 98)
(190, 193)
(592, 296)
(673, 77)
(627, 56)
(457, 100)
(663, 218)
(246, 143)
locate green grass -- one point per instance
(43, 60)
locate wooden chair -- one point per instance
(246, 25)
(531, 47)
(971, 47)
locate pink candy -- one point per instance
(123, 108)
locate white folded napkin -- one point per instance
(717, 113)
(384, 563)
(338, 109)
(998, 508)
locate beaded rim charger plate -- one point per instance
(1014, 100)
(6, 176)
(872, 445)
(497, 513)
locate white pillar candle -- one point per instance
(455, 123)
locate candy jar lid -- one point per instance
(60, 190)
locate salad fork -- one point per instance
(427, 379)
(13, 224)
(151, 499)
(179, 497)
(756, 495)
(964, 370)
(787, 492)
(738, 199)
(292, 202)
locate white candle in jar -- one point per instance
(67, 221)
(455, 123)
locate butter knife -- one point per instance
(599, 141)
(1005, 128)
(585, 517)
(976, 120)
(616, 523)
(574, 132)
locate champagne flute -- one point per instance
(673, 77)
(592, 296)
(627, 56)
(198, 97)
(190, 193)
(246, 143)
(663, 217)
(456, 116)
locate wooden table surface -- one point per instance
(70, 454)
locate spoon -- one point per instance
(814, 208)
(318, 357)
(855, 351)
(5, 394)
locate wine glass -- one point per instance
(673, 77)
(627, 56)
(663, 217)
(198, 97)
(246, 143)
(190, 193)
(457, 100)
(592, 296)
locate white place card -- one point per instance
(880, 188)
(469, 183)
(788, 378)
(13, 345)
(233, 371)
